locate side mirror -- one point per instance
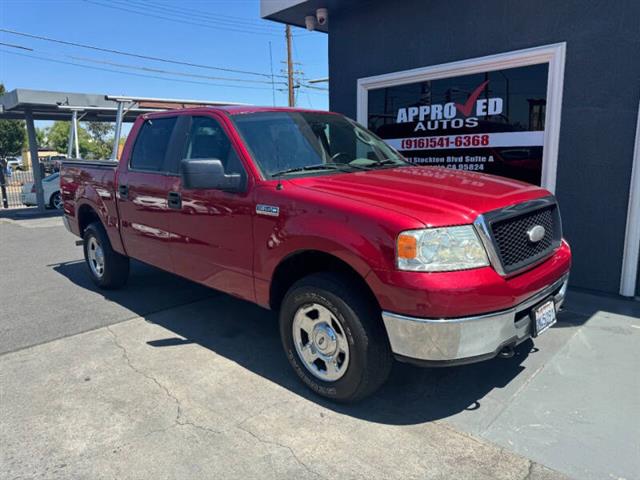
(208, 174)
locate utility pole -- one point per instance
(292, 100)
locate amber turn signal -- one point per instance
(407, 247)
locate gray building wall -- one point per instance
(600, 102)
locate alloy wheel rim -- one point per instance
(321, 342)
(57, 201)
(96, 257)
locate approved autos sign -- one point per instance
(491, 122)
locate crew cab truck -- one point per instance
(366, 257)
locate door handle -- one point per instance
(123, 190)
(174, 200)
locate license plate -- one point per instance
(544, 316)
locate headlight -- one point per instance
(440, 249)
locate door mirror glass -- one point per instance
(208, 173)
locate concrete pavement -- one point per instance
(166, 379)
(137, 400)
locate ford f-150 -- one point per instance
(366, 257)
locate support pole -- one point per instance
(292, 98)
(75, 133)
(35, 162)
(74, 116)
(116, 135)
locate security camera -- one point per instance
(310, 22)
(322, 14)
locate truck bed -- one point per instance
(90, 184)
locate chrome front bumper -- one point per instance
(467, 339)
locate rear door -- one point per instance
(143, 185)
(211, 230)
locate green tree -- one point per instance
(12, 135)
(41, 136)
(58, 138)
(101, 141)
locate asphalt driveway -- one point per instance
(166, 379)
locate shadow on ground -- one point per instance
(28, 213)
(248, 335)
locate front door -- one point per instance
(211, 231)
(143, 185)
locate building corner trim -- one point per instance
(631, 251)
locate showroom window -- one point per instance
(498, 114)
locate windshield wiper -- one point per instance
(319, 166)
(384, 161)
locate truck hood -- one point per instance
(434, 196)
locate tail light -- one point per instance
(33, 188)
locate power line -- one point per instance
(16, 46)
(146, 13)
(169, 72)
(314, 88)
(134, 55)
(131, 73)
(145, 69)
(202, 12)
(214, 18)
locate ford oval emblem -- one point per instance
(536, 233)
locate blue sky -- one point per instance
(217, 33)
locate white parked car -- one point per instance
(51, 189)
(14, 163)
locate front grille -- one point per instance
(511, 240)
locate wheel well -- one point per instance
(86, 216)
(305, 263)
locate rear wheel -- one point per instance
(334, 338)
(107, 268)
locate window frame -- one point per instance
(225, 130)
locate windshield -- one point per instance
(312, 143)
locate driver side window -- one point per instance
(207, 139)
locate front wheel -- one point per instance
(107, 268)
(334, 338)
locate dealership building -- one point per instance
(542, 91)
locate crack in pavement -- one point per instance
(530, 472)
(179, 420)
(282, 445)
(125, 355)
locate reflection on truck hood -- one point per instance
(432, 195)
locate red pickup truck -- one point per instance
(366, 257)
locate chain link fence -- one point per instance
(11, 183)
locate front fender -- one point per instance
(361, 242)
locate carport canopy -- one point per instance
(30, 105)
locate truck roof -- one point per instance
(236, 110)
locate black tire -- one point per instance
(54, 199)
(115, 270)
(370, 357)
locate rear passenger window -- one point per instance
(150, 149)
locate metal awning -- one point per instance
(47, 105)
(31, 105)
